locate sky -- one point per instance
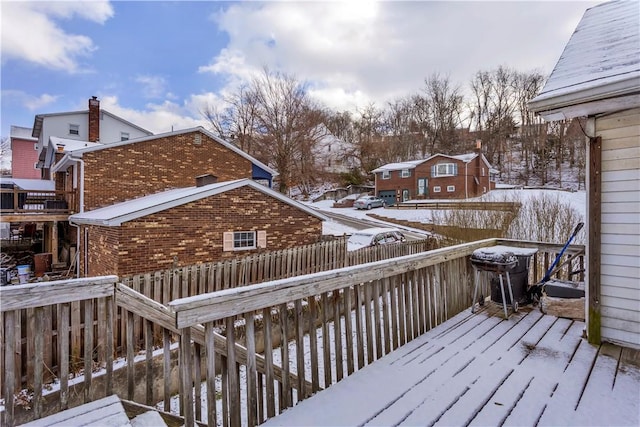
(160, 64)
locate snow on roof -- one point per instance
(81, 151)
(30, 184)
(115, 215)
(22, 133)
(601, 59)
(71, 144)
(411, 164)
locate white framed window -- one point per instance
(386, 175)
(444, 169)
(244, 240)
(74, 129)
(451, 188)
(436, 189)
(124, 136)
(405, 173)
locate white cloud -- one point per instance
(32, 103)
(163, 117)
(361, 52)
(152, 86)
(30, 33)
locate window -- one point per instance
(405, 173)
(436, 189)
(444, 169)
(451, 188)
(386, 175)
(243, 240)
(74, 129)
(124, 136)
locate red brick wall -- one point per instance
(423, 170)
(122, 173)
(102, 246)
(192, 233)
(23, 159)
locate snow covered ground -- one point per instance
(576, 200)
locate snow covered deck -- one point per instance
(479, 369)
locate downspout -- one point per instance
(80, 208)
(466, 180)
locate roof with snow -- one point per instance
(115, 215)
(30, 184)
(22, 133)
(600, 61)
(465, 158)
(77, 153)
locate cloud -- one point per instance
(165, 116)
(152, 86)
(32, 103)
(30, 33)
(354, 53)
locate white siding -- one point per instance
(620, 231)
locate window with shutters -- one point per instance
(244, 240)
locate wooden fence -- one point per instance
(379, 305)
(446, 205)
(365, 312)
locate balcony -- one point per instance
(35, 206)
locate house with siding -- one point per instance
(437, 177)
(92, 125)
(598, 77)
(185, 226)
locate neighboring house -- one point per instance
(598, 77)
(24, 154)
(185, 226)
(92, 125)
(332, 153)
(106, 174)
(437, 177)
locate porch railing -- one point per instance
(28, 201)
(343, 319)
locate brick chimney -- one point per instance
(94, 119)
(478, 146)
(207, 179)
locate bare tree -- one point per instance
(445, 107)
(286, 122)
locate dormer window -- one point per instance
(124, 136)
(74, 129)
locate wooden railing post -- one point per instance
(186, 377)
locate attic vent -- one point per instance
(197, 139)
(207, 179)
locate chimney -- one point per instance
(94, 119)
(207, 179)
(478, 146)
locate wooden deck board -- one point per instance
(479, 369)
(106, 412)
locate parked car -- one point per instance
(368, 202)
(374, 237)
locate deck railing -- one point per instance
(18, 201)
(343, 319)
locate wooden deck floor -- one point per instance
(532, 369)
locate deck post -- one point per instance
(186, 377)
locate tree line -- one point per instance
(273, 118)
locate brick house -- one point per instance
(191, 225)
(107, 174)
(437, 177)
(24, 154)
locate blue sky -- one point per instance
(159, 64)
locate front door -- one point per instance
(405, 195)
(423, 187)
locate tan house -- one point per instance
(598, 77)
(185, 226)
(437, 177)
